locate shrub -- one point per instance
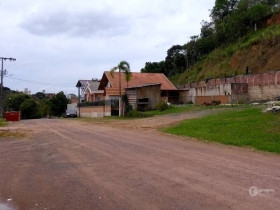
(29, 109)
(162, 105)
(136, 114)
(127, 106)
(216, 102)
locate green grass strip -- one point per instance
(246, 127)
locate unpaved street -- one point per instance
(68, 164)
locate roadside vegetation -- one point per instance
(234, 28)
(3, 122)
(247, 127)
(35, 106)
(8, 133)
(176, 109)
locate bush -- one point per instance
(29, 109)
(216, 102)
(58, 104)
(162, 105)
(127, 106)
(136, 114)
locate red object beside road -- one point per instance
(12, 116)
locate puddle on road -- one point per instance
(4, 206)
(7, 205)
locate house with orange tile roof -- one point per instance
(110, 84)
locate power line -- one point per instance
(40, 83)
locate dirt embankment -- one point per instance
(260, 57)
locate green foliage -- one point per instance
(29, 109)
(137, 114)
(58, 104)
(44, 107)
(13, 101)
(230, 21)
(154, 67)
(246, 127)
(39, 95)
(161, 106)
(3, 122)
(178, 109)
(94, 103)
(124, 67)
(128, 107)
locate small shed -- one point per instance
(144, 97)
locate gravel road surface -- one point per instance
(69, 164)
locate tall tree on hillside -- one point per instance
(175, 61)
(154, 67)
(222, 9)
(124, 67)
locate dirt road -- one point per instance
(66, 164)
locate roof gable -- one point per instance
(81, 83)
(92, 86)
(137, 79)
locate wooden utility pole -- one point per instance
(1, 88)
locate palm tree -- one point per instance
(124, 67)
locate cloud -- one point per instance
(81, 24)
(68, 40)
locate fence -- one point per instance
(98, 108)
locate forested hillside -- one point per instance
(241, 33)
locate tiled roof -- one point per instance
(82, 82)
(137, 79)
(93, 85)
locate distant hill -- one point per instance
(239, 34)
(259, 51)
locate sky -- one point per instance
(56, 43)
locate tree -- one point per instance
(175, 61)
(257, 13)
(29, 109)
(124, 67)
(154, 67)
(40, 95)
(222, 9)
(13, 101)
(44, 107)
(230, 21)
(58, 104)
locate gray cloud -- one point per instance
(85, 24)
(39, 34)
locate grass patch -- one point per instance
(3, 122)
(11, 134)
(7, 133)
(239, 127)
(180, 109)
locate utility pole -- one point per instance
(1, 89)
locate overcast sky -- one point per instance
(56, 43)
